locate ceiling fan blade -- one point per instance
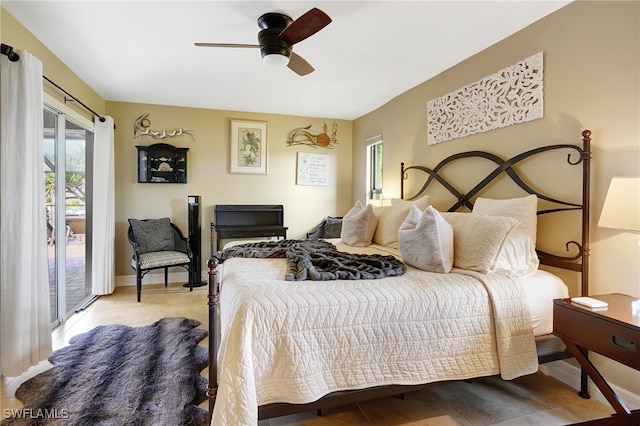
(299, 65)
(226, 45)
(305, 26)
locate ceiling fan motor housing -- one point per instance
(272, 25)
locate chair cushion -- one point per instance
(158, 259)
(332, 227)
(153, 235)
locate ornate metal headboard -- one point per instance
(578, 262)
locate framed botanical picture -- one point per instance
(248, 147)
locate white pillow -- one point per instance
(391, 217)
(524, 209)
(518, 257)
(477, 239)
(358, 225)
(426, 240)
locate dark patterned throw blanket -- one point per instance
(318, 260)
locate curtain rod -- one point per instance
(8, 50)
(101, 118)
(5, 49)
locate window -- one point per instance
(374, 168)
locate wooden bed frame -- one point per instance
(550, 347)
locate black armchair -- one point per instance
(157, 243)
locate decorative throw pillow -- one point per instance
(359, 225)
(391, 217)
(426, 240)
(332, 227)
(422, 202)
(381, 210)
(384, 234)
(153, 234)
(524, 209)
(518, 257)
(477, 239)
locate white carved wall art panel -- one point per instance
(510, 96)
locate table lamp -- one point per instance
(621, 208)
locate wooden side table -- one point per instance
(613, 332)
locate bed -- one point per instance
(282, 346)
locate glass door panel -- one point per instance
(67, 191)
(77, 286)
(50, 200)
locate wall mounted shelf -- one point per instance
(162, 163)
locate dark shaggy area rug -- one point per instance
(120, 375)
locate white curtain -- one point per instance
(103, 266)
(25, 320)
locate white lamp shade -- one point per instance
(621, 208)
(276, 60)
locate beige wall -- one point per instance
(17, 36)
(591, 81)
(208, 171)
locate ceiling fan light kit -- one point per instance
(275, 60)
(278, 35)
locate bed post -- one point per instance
(402, 178)
(213, 300)
(584, 252)
(586, 184)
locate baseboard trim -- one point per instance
(152, 278)
(570, 375)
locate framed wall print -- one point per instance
(249, 147)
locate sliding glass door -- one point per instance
(68, 195)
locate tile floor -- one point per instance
(530, 400)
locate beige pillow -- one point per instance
(422, 202)
(359, 225)
(391, 217)
(380, 212)
(524, 209)
(426, 240)
(477, 239)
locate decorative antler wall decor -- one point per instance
(141, 129)
(305, 136)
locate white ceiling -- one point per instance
(142, 51)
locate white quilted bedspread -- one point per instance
(285, 341)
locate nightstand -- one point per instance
(613, 332)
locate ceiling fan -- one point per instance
(279, 33)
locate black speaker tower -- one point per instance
(195, 242)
